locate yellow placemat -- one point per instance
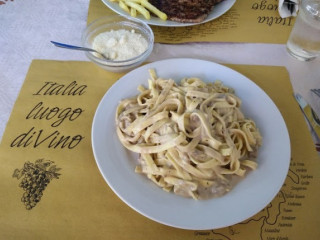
(49, 130)
(253, 21)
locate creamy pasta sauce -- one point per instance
(192, 137)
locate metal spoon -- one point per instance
(63, 45)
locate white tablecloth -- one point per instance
(26, 28)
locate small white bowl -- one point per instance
(109, 23)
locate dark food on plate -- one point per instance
(186, 11)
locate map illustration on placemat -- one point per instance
(278, 217)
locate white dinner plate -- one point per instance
(216, 12)
(248, 197)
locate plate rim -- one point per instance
(182, 226)
(227, 4)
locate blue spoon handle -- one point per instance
(72, 47)
(63, 45)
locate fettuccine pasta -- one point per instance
(192, 137)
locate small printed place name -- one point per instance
(290, 218)
(306, 176)
(277, 238)
(292, 195)
(298, 188)
(294, 204)
(286, 210)
(201, 233)
(285, 225)
(272, 230)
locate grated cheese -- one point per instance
(120, 44)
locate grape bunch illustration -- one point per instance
(35, 177)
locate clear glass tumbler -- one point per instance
(304, 39)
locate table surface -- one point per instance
(27, 27)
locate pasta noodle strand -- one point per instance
(192, 138)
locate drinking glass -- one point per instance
(304, 39)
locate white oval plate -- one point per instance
(216, 12)
(251, 195)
